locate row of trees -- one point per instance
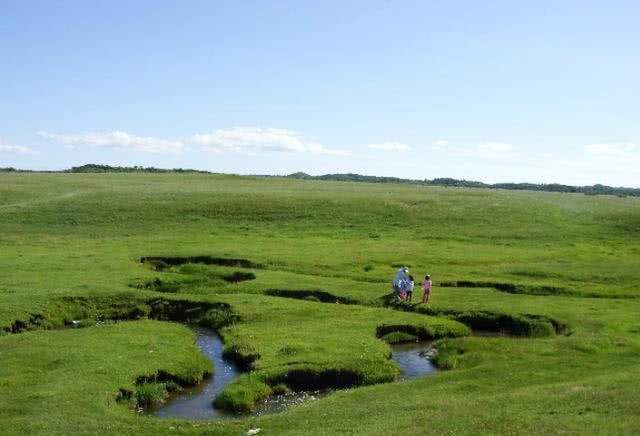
(94, 168)
(450, 182)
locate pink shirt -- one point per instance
(426, 285)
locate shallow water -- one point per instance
(197, 402)
(413, 359)
(281, 402)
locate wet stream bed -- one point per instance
(413, 359)
(196, 402)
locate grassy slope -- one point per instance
(82, 234)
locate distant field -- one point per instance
(295, 275)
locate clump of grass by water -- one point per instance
(449, 353)
(242, 394)
(148, 395)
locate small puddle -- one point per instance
(413, 359)
(197, 402)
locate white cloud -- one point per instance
(390, 146)
(611, 149)
(118, 139)
(252, 139)
(11, 148)
(255, 139)
(495, 147)
(441, 142)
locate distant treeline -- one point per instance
(446, 181)
(94, 168)
(349, 177)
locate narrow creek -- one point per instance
(196, 402)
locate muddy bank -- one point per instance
(160, 263)
(520, 325)
(82, 311)
(310, 295)
(513, 288)
(175, 286)
(539, 290)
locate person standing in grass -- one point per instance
(397, 282)
(410, 285)
(426, 288)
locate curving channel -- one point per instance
(196, 402)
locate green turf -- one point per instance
(70, 249)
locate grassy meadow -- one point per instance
(535, 309)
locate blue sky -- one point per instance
(525, 91)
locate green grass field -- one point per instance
(307, 294)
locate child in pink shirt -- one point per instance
(426, 288)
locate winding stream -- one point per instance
(196, 402)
